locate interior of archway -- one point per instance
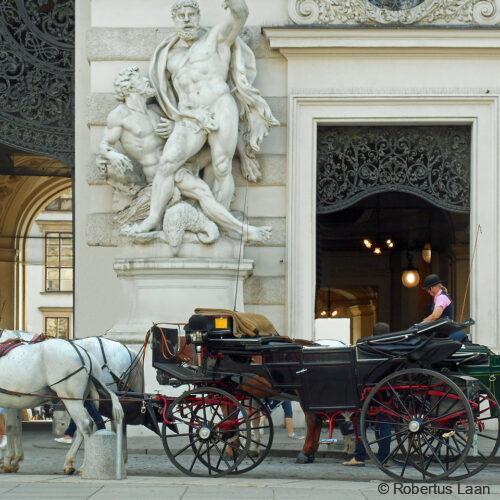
(22, 198)
(357, 288)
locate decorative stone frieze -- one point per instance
(398, 12)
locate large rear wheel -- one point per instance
(422, 419)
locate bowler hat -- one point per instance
(431, 280)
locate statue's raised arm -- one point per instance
(232, 27)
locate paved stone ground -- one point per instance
(152, 476)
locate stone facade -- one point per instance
(363, 72)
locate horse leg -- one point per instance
(14, 450)
(311, 444)
(85, 427)
(69, 463)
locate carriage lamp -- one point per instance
(427, 253)
(410, 276)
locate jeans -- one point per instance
(96, 417)
(286, 405)
(382, 433)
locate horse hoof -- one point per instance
(69, 471)
(10, 469)
(302, 458)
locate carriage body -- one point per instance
(333, 382)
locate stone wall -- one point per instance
(111, 35)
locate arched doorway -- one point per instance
(390, 198)
(24, 197)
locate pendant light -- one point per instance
(410, 276)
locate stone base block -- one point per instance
(100, 456)
(168, 290)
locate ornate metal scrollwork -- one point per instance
(430, 162)
(36, 76)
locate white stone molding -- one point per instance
(359, 12)
(307, 111)
(168, 290)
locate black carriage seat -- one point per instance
(415, 348)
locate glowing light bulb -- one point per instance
(427, 253)
(367, 243)
(377, 251)
(389, 243)
(323, 313)
(334, 313)
(410, 278)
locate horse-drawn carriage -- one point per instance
(439, 421)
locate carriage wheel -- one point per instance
(485, 444)
(424, 419)
(261, 432)
(209, 424)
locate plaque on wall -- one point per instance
(396, 12)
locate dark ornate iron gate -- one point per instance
(431, 162)
(37, 77)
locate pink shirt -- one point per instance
(441, 300)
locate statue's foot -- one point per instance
(257, 234)
(143, 227)
(69, 471)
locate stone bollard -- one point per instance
(100, 457)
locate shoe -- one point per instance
(294, 436)
(353, 463)
(3, 443)
(64, 440)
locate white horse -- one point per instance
(121, 370)
(33, 374)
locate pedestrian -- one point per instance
(382, 427)
(287, 409)
(3, 437)
(69, 433)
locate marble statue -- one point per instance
(139, 130)
(180, 148)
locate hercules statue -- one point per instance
(203, 82)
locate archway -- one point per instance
(389, 198)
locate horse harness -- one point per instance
(37, 340)
(117, 380)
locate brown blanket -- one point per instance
(245, 324)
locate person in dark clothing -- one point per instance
(69, 433)
(382, 428)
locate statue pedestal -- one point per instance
(163, 290)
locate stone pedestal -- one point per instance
(163, 290)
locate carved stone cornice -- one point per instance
(364, 12)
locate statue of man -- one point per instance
(135, 125)
(203, 80)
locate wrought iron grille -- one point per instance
(36, 76)
(430, 162)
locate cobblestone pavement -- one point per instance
(151, 475)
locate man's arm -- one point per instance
(233, 26)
